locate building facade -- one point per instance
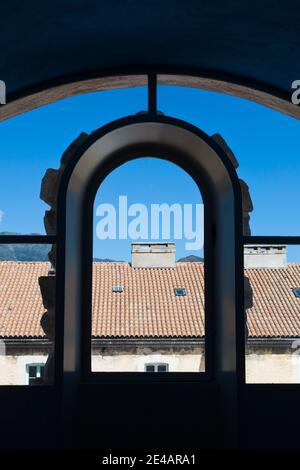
(149, 316)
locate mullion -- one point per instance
(152, 94)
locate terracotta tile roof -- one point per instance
(148, 306)
(276, 310)
(21, 306)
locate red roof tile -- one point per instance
(276, 310)
(148, 306)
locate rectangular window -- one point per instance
(118, 289)
(296, 291)
(180, 292)
(34, 372)
(156, 368)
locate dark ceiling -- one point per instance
(248, 41)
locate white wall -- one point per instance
(13, 368)
(136, 363)
(273, 368)
(260, 368)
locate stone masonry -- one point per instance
(49, 193)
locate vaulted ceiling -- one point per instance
(250, 43)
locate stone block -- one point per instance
(47, 286)
(50, 222)
(48, 323)
(246, 198)
(49, 186)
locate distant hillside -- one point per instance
(28, 252)
(190, 259)
(23, 252)
(106, 260)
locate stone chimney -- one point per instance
(265, 256)
(153, 255)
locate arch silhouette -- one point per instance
(199, 155)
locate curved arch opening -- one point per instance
(148, 276)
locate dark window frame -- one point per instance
(87, 374)
(117, 289)
(82, 348)
(87, 243)
(38, 369)
(155, 366)
(59, 239)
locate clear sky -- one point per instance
(266, 144)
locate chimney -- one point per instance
(265, 256)
(153, 255)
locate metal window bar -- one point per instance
(272, 240)
(30, 239)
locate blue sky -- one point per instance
(266, 144)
